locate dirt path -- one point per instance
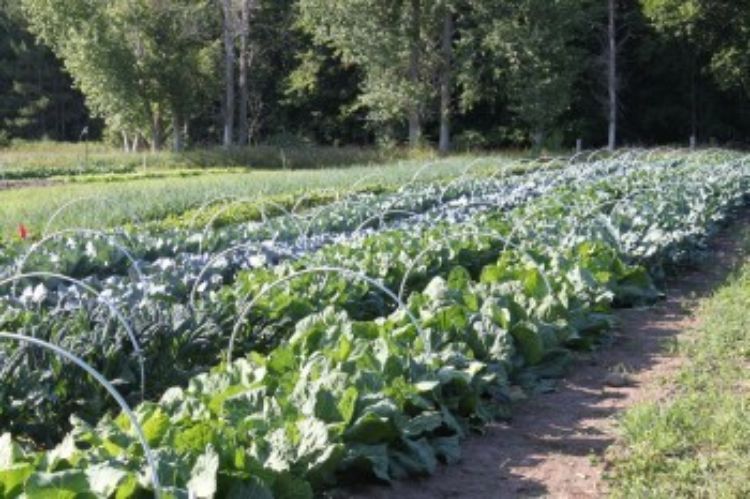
(554, 445)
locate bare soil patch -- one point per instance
(555, 443)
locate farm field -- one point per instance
(39, 159)
(279, 333)
(98, 202)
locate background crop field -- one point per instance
(102, 204)
(50, 159)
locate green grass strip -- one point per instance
(697, 442)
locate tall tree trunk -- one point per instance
(415, 121)
(537, 139)
(244, 63)
(612, 75)
(444, 144)
(229, 61)
(177, 142)
(125, 142)
(157, 131)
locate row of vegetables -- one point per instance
(288, 224)
(344, 379)
(171, 319)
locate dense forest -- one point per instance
(445, 73)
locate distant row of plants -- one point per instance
(45, 160)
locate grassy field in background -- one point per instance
(104, 204)
(50, 159)
(696, 443)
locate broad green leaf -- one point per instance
(191, 438)
(437, 289)
(128, 487)
(12, 478)
(492, 274)
(281, 359)
(69, 484)
(314, 437)
(426, 386)
(347, 404)
(322, 470)
(375, 426)
(238, 406)
(459, 279)
(105, 479)
(10, 451)
(65, 455)
(529, 342)
(155, 426)
(253, 488)
(416, 458)
(326, 407)
(203, 476)
(289, 486)
(424, 423)
(371, 458)
(534, 283)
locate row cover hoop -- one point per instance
(109, 387)
(447, 237)
(113, 309)
(74, 201)
(213, 260)
(80, 231)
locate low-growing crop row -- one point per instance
(335, 379)
(177, 341)
(301, 222)
(101, 204)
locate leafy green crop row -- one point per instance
(342, 396)
(386, 397)
(179, 341)
(179, 344)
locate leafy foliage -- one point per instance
(336, 381)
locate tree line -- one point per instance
(449, 73)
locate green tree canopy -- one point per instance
(718, 27)
(136, 61)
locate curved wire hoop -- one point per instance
(112, 308)
(109, 387)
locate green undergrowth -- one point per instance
(696, 443)
(343, 398)
(30, 160)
